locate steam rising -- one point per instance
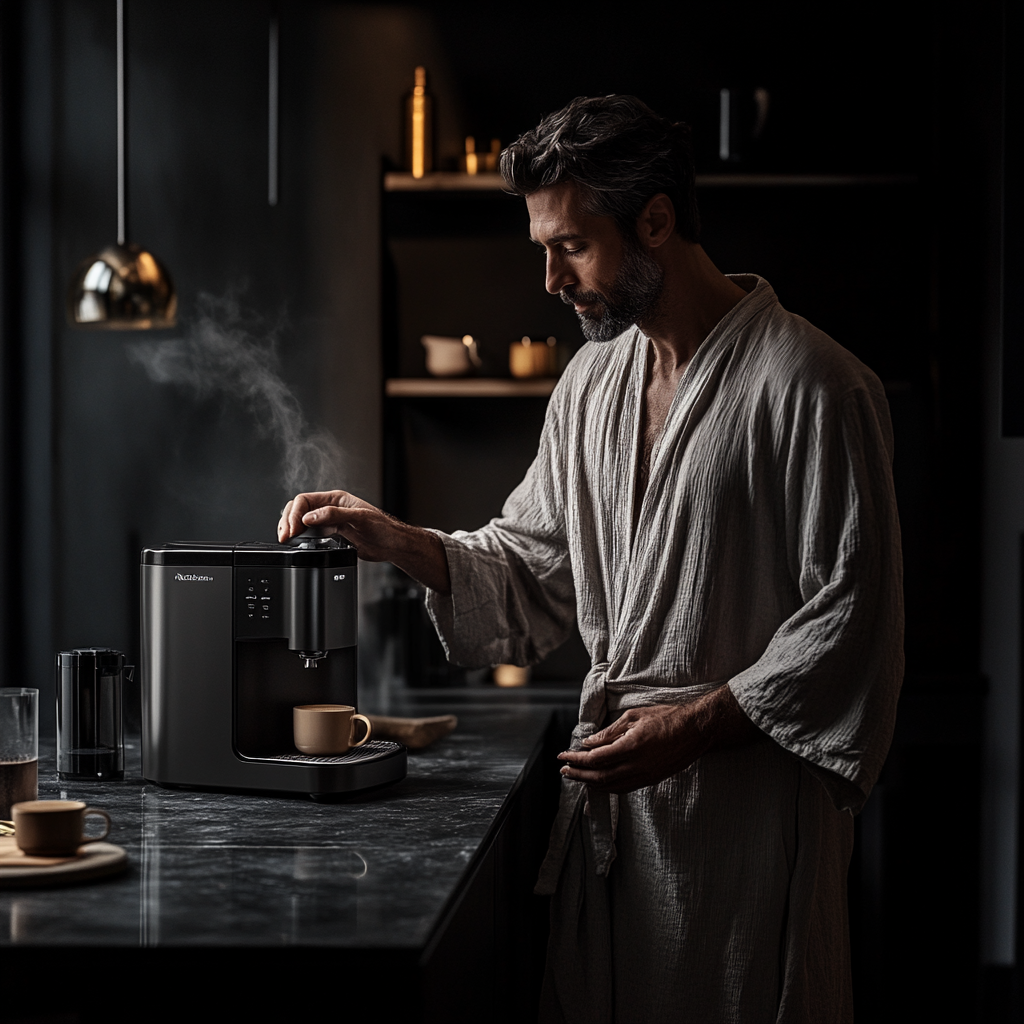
(225, 353)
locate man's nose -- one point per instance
(558, 275)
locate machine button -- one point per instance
(252, 590)
(266, 607)
(251, 607)
(250, 616)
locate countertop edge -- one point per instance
(452, 904)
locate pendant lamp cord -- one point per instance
(272, 112)
(122, 232)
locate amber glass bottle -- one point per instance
(419, 127)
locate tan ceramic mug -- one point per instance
(54, 828)
(327, 728)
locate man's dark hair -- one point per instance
(617, 151)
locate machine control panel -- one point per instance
(259, 593)
(258, 598)
(315, 609)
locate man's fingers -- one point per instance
(297, 508)
(615, 741)
(356, 525)
(600, 757)
(620, 780)
(331, 515)
(328, 516)
(282, 523)
(609, 733)
(291, 518)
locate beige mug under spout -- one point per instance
(322, 729)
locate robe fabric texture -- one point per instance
(766, 556)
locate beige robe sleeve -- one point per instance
(512, 598)
(826, 686)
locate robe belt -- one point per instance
(601, 698)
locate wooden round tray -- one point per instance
(96, 860)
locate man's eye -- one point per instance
(573, 252)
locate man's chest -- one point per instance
(655, 405)
(680, 458)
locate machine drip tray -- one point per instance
(371, 750)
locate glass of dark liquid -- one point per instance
(19, 747)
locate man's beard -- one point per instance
(633, 295)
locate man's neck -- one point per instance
(694, 298)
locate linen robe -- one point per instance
(766, 556)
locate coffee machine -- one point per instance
(233, 637)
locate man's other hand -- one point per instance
(376, 536)
(646, 745)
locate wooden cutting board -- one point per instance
(95, 860)
(415, 733)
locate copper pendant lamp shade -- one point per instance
(123, 287)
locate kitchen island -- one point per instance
(417, 895)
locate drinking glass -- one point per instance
(19, 747)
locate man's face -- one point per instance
(610, 281)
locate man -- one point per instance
(712, 498)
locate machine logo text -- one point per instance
(191, 577)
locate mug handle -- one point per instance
(369, 729)
(106, 831)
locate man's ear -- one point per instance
(657, 220)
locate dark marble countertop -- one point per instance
(221, 869)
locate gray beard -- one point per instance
(632, 296)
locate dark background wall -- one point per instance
(99, 460)
(109, 460)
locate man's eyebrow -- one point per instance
(569, 236)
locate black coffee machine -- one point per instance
(233, 637)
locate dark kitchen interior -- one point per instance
(877, 199)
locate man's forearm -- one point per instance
(721, 720)
(421, 554)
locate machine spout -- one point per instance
(310, 659)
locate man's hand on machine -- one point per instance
(338, 512)
(376, 536)
(646, 745)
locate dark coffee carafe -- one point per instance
(90, 743)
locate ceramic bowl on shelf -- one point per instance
(450, 357)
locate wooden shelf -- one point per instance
(801, 180)
(443, 181)
(468, 387)
(453, 181)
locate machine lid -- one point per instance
(256, 553)
(249, 553)
(189, 553)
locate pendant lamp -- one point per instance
(123, 287)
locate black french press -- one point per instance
(90, 740)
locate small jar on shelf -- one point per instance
(532, 357)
